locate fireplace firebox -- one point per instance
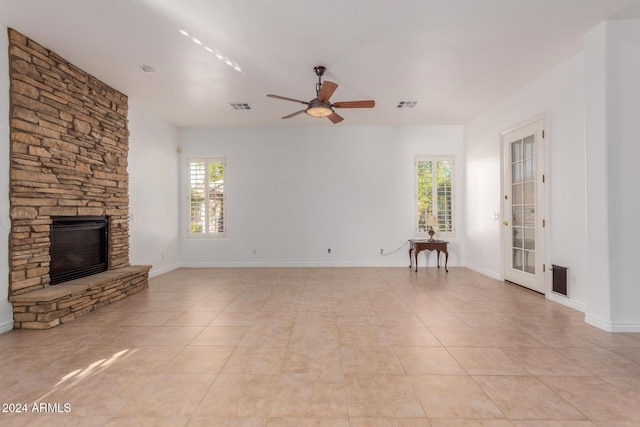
(79, 247)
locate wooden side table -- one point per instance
(417, 246)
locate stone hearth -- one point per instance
(50, 306)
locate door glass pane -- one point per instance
(517, 259)
(530, 262)
(523, 204)
(528, 171)
(516, 151)
(516, 172)
(518, 196)
(528, 147)
(517, 237)
(518, 220)
(529, 215)
(529, 238)
(529, 193)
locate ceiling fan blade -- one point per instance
(284, 98)
(355, 104)
(335, 118)
(294, 114)
(327, 90)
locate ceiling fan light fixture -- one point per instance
(318, 108)
(320, 105)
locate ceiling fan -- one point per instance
(320, 105)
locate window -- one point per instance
(435, 194)
(206, 178)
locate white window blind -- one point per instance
(435, 193)
(206, 178)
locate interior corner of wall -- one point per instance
(598, 323)
(6, 326)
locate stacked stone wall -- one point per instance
(69, 147)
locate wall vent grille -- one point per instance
(406, 104)
(240, 105)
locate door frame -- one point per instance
(541, 169)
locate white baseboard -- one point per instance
(612, 327)
(158, 271)
(567, 302)
(598, 323)
(6, 327)
(276, 264)
(626, 327)
(484, 271)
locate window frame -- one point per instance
(207, 161)
(434, 159)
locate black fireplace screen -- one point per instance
(79, 247)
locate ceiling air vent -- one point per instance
(406, 104)
(240, 106)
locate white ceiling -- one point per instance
(455, 57)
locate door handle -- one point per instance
(505, 223)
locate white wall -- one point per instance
(153, 191)
(6, 311)
(597, 202)
(294, 192)
(623, 160)
(559, 95)
(613, 67)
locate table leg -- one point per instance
(438, 258)
(446, 260)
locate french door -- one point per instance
(523, 206)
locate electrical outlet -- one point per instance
(329, 250)
(254, 251)
(381, 251)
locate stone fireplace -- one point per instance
(69, 147)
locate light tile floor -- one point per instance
(324, 347)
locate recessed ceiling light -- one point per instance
(147, 69)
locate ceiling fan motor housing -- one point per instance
(318, 108)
